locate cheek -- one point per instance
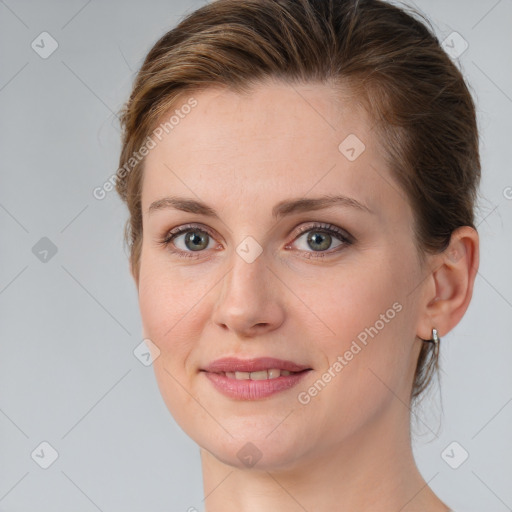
(168, 299)
(169, 323)
(372, 318)
(168, 318)
(352, 302)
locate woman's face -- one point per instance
(245, 283)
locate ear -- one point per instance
(450, 284)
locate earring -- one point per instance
(435, 337)
(435, 340)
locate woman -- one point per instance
(300, 177)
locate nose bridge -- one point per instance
(246, 298)
(248, 261)
(246, 278)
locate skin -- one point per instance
(349, 448)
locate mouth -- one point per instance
(254, 379)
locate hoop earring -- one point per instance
(435, 340)
(435, 337)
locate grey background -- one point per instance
(69, 326)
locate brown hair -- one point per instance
(423, 111)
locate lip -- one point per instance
(253, 389)
(233, 364)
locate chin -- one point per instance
(253, 456)
(254, 448)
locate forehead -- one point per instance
(278, 140)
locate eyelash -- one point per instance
(317, 227)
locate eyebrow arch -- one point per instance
(281, 209)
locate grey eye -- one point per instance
(195, 240)
(317, 240)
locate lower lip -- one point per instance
(253, 389)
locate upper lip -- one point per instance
(233, 364)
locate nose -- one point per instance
(250, 300)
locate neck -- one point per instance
(372, 470)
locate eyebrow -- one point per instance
(281, 209)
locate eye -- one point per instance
(188, 239)
(319, 238)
